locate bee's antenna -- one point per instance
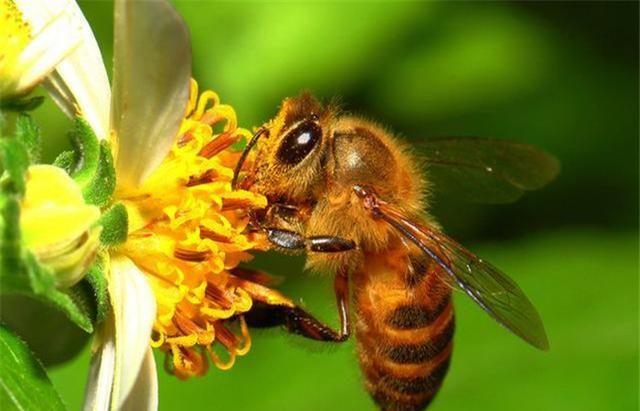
(245, 153)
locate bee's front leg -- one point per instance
(298, 321)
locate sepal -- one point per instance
(115, 223)
(70, 301)
(87, 152)
(53, 338)
(101, 188)
(96, 279)
(66, 160)
(90, 163)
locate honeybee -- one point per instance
(353, 197)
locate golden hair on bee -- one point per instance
(287, 179)
(353, 196)
(349, 150)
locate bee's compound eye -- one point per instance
(299, 142)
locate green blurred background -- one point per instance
(562, 75)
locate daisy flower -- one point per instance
(174, 281)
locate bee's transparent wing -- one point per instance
(486, 170)
(489, 287)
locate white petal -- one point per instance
(122, 370)
(97, 395)
(134, 309)
(60, 93)
(144, 394)
(152, 71)
(81, 83)
(54, 36)
(39, 12)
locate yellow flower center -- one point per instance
(187, 232)
(15, 33)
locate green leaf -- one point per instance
(52, 337)
(97, 280)
(15, 160)
(22, 104)
(115, 223)
(28, 132)
(87, 148)
(99, 190)
(24, 384)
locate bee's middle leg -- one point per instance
(298, 321)
(318, 243)
(289, 239)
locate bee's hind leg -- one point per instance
(296, 320)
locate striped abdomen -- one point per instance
(404, 329)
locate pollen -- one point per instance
(188, 233)
(15, 34)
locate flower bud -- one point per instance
(57, 226)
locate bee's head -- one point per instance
(291, 150)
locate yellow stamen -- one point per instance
(15, 34)
(187, 232)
